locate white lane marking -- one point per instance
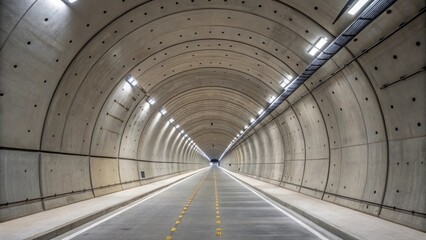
(315, 232)
(127, 208)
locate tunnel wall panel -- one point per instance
(112, 120)
(65, 179)
(376, 177)
(133, 129)
(19, 184)
(129, 173)
(105, 175)
(406, 189)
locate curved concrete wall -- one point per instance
(72, 128)
(355, 137)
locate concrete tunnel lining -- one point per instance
(72, 128)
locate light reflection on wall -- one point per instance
(168, 141)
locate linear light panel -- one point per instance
(358, 5)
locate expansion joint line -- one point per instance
(185, 209)
(218, 229)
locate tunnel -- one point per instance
(212, 119)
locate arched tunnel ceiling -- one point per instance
(205, 62)
(72, 127)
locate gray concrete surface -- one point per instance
(53, 222)
(73, 129)
(343, 222)
(243, 215)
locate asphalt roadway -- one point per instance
(208, 205)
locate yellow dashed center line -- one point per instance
(218, 229)
(185, 209)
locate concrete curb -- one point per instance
(54, 232)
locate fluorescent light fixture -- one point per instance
(252, 120)
(238, 135)
(132, 81)
(182, 131)
(318, 45)
(186, 135)
(71, 1)
(321, 42)
(171, 120)
(177, 126)
(246, 126)
(151, 101)
(358, 5)
(271, 99)
(163, 111)
(313, 51)
(260, 111)
(241, 132)
(286, 81)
